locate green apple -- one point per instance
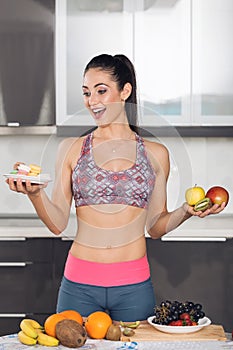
(194, 195)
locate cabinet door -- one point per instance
(27, 83)
(26, 275)
(9, 323)
(196, 271)
(26, 288)
(212, 62)
(182, 50)
(86, 29)
(23, 250)
(162, 37)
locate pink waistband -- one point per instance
(106, 274)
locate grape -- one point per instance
(198, 307)
(190, 303)
(163, 303)
(173, 308)
(169, 311)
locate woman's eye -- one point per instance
(102, 91)
(86, 93)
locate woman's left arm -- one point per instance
(159, 220)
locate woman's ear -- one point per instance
(126, 91)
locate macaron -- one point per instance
(34, 170)
(23, 169)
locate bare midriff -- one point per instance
(110, 233)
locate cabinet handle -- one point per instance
(13, 264)
(67, 239)
(12, 315)
(194, 239)
(19, 239)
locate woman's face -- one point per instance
(102, 97)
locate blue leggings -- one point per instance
(127, 303)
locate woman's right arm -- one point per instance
(53, 212)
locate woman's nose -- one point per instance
(93, 99)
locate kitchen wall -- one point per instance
(197, 160)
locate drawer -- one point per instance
(26, 249)
(9, 323)
(27, 287)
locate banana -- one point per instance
(47, 340)
(132, 325)
(28, 329)
(25, 339)
(34, 323)
(39, 330)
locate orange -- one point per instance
(50, 323)
(97, 324)
(72, 315)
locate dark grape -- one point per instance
(202, 314)
(170, 319)
(175, 317)
(173, 308)
(198, 307)
(169, 311)
(163, 303)
(191, 304)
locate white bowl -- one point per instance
(203, 322)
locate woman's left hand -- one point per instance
(215, 209)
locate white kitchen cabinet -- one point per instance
(182, 51)
(86, 29)
(212, 55)
(162, 36)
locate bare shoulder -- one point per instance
(70, 148)
(70, 142)
(156, 149)
(159, 156)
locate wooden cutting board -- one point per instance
(146, 332)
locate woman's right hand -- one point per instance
(25, 187)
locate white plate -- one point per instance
(203, 322)
(40, 179)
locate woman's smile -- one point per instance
(98, 112)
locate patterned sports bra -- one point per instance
(93, 185)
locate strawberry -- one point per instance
(178, 323)
(185, 316)
(188, 322)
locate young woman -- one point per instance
(118, 182)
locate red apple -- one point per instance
(218, 195)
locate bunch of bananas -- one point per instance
(32, 333)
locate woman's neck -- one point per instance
(114, 131)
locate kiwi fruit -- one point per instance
(203, 204)
(113, 333)
(70, 333)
